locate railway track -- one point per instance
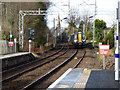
(31, 69)
(7, 74)
(42, 79)
(36, 60)
(37, 83)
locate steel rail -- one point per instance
(30, 69)
(32, 62)
(28, 87)
(79, 60)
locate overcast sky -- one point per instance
(106, 10)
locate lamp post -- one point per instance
(62, 20)
(93, 27)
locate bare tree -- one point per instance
(85, 18)
(74, 17)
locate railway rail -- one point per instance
(21, 66)
(37, 60)
(43, 77)
(51, 72)
(33, 68)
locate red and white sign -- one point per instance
(10, 44)
(104, 49)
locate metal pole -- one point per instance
(83, 28)
(117, 47)
(10, 40)
(22, 32)
(104, 63)
(93, 30)
(19, 27)
(10, 35)
(0, 20)
(47, 38)
(15, 44)
(61, 36)
(30, 46)
(94, 23)
(54, 36)
(39, 11)
(68, 8)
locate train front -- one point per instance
(79, 39)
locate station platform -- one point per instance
(13, 55)
(86, 79)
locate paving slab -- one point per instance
(102, 79)
(88, 79)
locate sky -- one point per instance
(105, 10)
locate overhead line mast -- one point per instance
(21, 23)
(94, 24)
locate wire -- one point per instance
(60, 8)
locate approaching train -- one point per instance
(78, 39)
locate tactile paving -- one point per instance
(81, 82)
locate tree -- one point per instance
(81, 25)
(89, 35)
(74, 17)
(10, 20)
(110, 37)
(100, 25)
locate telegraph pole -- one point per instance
(54, 36)
(117, 46)
(47, 39)
(94, 24)
(68, 8)
(84, 28)
(69, 13)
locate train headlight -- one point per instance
(75, 40)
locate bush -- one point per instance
(89, 35)
(41, 40)
(110, 37)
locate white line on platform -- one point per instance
(13, 55)
(59, 79)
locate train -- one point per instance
(78, 39)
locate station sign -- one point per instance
(11, 44)
(104, 49)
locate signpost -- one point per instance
(15, 41)
(10, 44)
(30, 46)
(31, 36)
(104, 50)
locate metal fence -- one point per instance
(5, 49)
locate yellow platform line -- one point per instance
(81, 82)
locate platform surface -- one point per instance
(86, 79)
(13, 55)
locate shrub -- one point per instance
(110, 37)
(89, 35)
